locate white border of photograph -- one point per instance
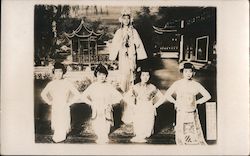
(17, 83)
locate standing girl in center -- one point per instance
(141, 97)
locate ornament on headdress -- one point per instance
(138, 69)
(186, 64)
(126, 12)
(181, 65)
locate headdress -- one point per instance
(126, 12)
(186, 65)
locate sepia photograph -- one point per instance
(125, 78)
(125, 75)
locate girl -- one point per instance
(142, 96)
(128, 45)
(188, 128)
(102, 96)
(60, 94)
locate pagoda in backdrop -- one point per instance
(84, 44)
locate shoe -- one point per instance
(102, 141)
(59, 136)
(139, 140)
(58, 140)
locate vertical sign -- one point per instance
(211, 120)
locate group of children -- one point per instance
(142, 98)
(139, 100)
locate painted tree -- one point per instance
(43, 34)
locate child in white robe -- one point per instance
(188, 128)
(142, 96)
(102, 96)
(60, 94)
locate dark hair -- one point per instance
(144, 69)
(141, 70)
(126, 15)
(59, 65)
(187, 66)
(101, 69)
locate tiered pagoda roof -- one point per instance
(165, 29)
(83, 32)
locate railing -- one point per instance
(80, 58)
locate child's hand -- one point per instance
(69, 104)
(197, 103)
(155, 106)
(49, 103)
(110, 108)
(176, 106)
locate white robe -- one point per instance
(127, 56)
(102, 96)
(60, 94)
(142, 112)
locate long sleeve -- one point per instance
(141, 53)
(170, 92)
(158, 96)
(45, 94)
(75, 93)
(206, 95)
(85, 96)
(129, 97)
(116, 96)
(167, 96)
(115, 45)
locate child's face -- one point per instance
(58, 73)
(187, 74)
(145, 77)
(126, 20)
(101, 77)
